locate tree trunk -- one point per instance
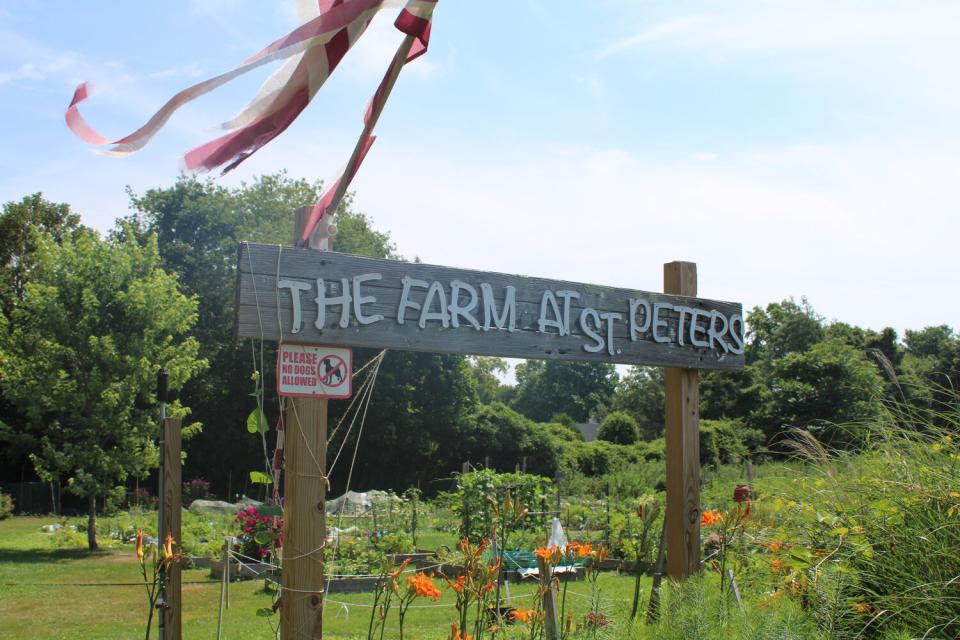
(92, 524)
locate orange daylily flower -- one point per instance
(524, 615)
(710, 517)
(777, 566)
(862, 607)
(545, 553)
(168, 547)
(396, 572)
(458, 585)
(424, 587)
(456, 635)
(775, 546)
(139, 544)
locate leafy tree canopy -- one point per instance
(546, 387)
(199, 224)
(640, 394)
(619, 428)
(79, 360)
(22, 226)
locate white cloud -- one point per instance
(39, 71)
(771, 28)
(191, 70)
(850, 226)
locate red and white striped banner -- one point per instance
(314, 50)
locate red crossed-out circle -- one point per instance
(338, 364)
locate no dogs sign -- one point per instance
(314, 371)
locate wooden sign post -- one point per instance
(683, 445)
(304, 509)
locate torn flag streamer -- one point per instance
(313, 50)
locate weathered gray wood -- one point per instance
(264, 310)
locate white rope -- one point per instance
(365, 394)
(372, 377)
(369, 395)
(353, 400)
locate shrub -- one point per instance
(6, 505)
(506, 437)
(599, 457)
(727, 441)
(196, 489)
(259, 533)
(619, 428)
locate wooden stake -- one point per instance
(683, 445)
(172, 501)
(735, 589)
(305, 518)
(224, 581)
(551, 626)
(653, 608)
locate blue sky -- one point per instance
(789, 148)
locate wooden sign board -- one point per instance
(314, 371)
(334, 298)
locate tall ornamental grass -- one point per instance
(896, 510)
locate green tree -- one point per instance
(930, 373)
(199, 225)
(931, 342)
(506, 437)
(22, 226)
(782, 328)
(96, 322)
(742, 395)
(640, 394)
(546, 387)
(619, 428)
(829, 384)
(486, 372)
(415, 428)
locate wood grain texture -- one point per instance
(264, 310)
(682, 446)
(172, 505)
(551, 622)
(305, 521)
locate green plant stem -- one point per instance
(373, 610)
(563, 609)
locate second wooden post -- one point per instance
(304, 509)
(172, 504)
(683, 445)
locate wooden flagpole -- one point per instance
(376, 108)
(304, 510)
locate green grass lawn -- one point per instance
(48, 593)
